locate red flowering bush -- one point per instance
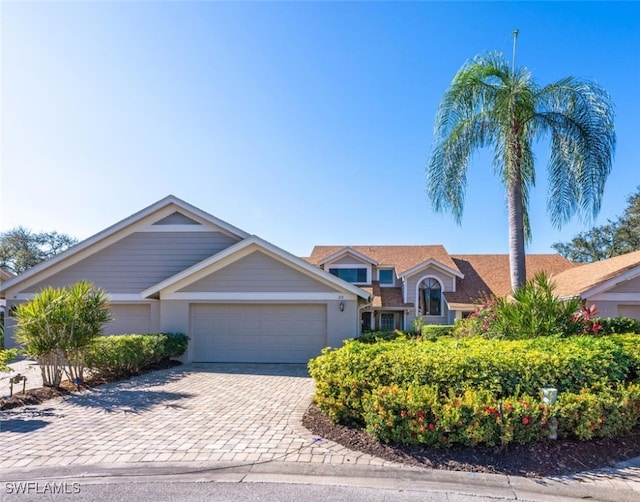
(532, 311)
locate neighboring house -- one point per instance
(174, 267)
(407, 282)
(612, 285)
(5, 275)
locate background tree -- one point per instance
(612, 239)
(21, 249)
(491, 104)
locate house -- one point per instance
(407, 282)
(612, 285)
(174, 267)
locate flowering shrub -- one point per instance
(419, 415)
(477, 391)
(532, 311)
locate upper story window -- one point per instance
(430, 297)
(353, 275)
(385, 277)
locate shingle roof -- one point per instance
(486, 275)
(401, 257)
(386, 297)
(575, 281)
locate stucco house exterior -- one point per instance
(174, 267)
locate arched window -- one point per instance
(430, 297)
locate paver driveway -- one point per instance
(192, 413)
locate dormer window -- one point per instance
(385, 276)
(353, 275)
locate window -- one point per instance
(354, 275)
(387, 322)
(386, 277)
(430, 294)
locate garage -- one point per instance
(127, 319)
(258, 333)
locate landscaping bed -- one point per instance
(540, 459)
(40, 394)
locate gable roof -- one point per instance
(403, 258)
(588, 278)
(5, 275)
(348, 250)
(486, 275)
(164, 207)
(238, 251)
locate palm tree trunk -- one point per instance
(516, 230)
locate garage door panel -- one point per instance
(129, 318)
(258, 333)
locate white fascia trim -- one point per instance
(125, 297)
(435, 263)
(112, 234)
(348, 250)
(240, 250)
(615, 297)
(116, 297)
(612, 282)
(257, 296)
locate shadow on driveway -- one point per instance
(19, 425)
(268, 369)
(126, 400)
(21, 419)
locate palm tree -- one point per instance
(490, 104)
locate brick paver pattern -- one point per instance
(234, 413)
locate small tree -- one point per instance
(57, 326)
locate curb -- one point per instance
(614, 485)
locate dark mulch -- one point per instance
(41, 394)
(547, 458)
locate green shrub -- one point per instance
(599, 412)
(433, 331)
(613, 325)
(119, 356)
(380, 336)
(502, 367)
(420, 415)
(532, 311)
(6, 356)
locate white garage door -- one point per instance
(632, 311)
(129, 319)
(257, 333)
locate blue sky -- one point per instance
(302, 122)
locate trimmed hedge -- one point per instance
(419, 415)
(613, 325)
(371, 385)
(437, 330)
(118, 356)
